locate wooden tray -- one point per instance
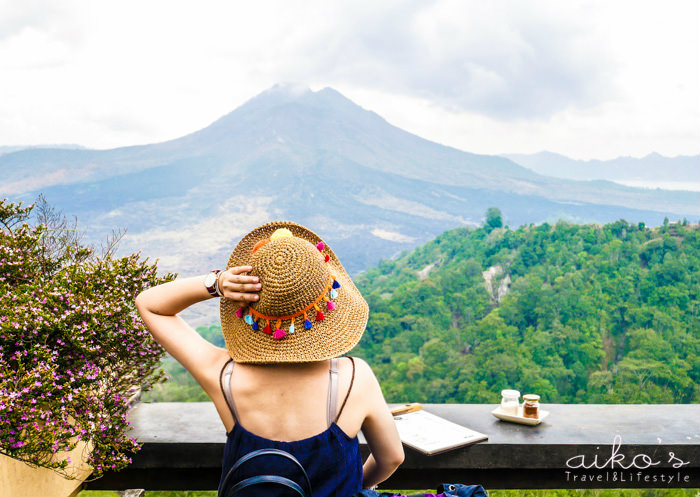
(519, 418)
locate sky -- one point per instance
(586, 79)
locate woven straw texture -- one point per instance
(293, 274)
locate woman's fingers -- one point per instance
(234, 293)
(239, 287)
(237, 278)
(234, 274)
(250, 287)
(242, 297)
(240, 269)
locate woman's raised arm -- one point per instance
(159, 305)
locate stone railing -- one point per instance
(577, 446)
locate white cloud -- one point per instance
(15, 17)
(586, 79)
(501, 59)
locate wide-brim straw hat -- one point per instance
(304, 285)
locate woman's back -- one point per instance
(282, 407)
(288, 305)
(299, 391)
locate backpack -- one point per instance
(444, 490)
(257, 480)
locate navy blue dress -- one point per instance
(331, 458)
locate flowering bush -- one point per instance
(72, 347)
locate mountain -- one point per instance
(369, 188)
(655, 170)
(6, 149)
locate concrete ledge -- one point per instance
(622, 446)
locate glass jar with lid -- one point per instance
(510, 401)
(531, 406)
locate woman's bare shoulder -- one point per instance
(363, 371)
(366, 384)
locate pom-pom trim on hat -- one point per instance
(262, 242)
(253, 317)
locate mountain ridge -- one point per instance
(369, 187)
(653, 167)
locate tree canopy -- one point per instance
(575, 313)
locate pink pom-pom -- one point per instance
(279, 333)
(320, 245)
(331, 305)
(239, 312)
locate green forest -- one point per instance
(576, 313)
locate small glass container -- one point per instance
(531, 406)
(510, 402)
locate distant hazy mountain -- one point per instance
(370, 188)
(654, 170)
(6, 149)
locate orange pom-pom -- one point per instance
(260, 244)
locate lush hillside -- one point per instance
(576, 313)
(592, 314)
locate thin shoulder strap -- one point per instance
(352, 380)
(332, 391)
(226, 387)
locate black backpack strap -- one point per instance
(256, 480)
(277, 479)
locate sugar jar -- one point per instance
(510, 402)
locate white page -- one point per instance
(430, 434)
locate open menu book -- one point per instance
(432, 434)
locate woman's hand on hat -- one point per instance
(239, 287)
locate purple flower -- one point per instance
(72, 331)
